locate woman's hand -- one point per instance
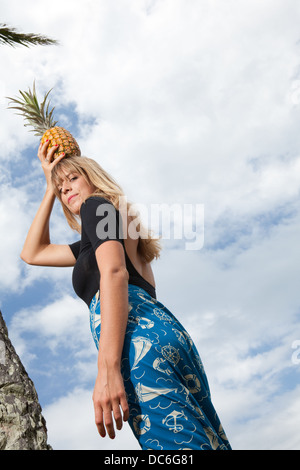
(46, 158)
(109, 399)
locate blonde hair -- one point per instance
(148, 246)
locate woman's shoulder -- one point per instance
(97, 198)
(94, 201)
(96, 206)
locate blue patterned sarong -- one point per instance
(166, 386)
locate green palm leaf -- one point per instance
(11, 37)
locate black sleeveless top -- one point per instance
(100, 222)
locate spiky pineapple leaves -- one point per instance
(36, 115)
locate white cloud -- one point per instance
(69, 421)
(61, 323)
(275, 428)
(71, 425)
(13, 220)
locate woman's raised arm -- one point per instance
(38, 249)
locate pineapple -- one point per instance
(41, 119)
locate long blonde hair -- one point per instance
(148, 246)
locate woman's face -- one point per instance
(74, 189)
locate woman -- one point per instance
(149, 371)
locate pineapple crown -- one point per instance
(36, 115)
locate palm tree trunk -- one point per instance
(22, 426)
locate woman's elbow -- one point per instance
(24, 257)
(119, 273)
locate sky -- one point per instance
(184, 102)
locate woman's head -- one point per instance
(82, 177)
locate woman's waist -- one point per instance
(142, 310)
(136, 294)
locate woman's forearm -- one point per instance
(114, 316)
(109, 394)
(38, 235)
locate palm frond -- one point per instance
(11, 37)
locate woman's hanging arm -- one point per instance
(109, 393)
